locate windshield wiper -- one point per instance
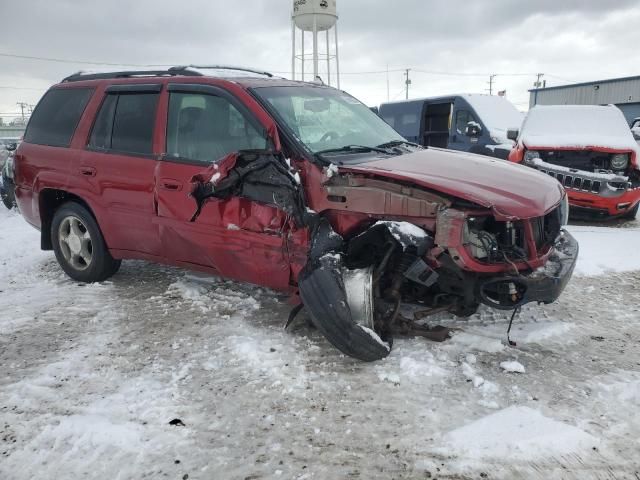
(397, 143)
(352, 148)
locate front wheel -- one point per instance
(79, 246)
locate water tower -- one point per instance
(315, 16)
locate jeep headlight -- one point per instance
(619, 161)
(564, 210)
(530, 155)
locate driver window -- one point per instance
(463, 117)
(207, 128)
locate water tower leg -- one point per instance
(315, 48)
(293, 50)
(328, 61)
(337, 58)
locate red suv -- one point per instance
(294, 186)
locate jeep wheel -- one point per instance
(79, 246)
(631, 214)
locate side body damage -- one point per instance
(372, 245)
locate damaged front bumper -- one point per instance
(544, 285)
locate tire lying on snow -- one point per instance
(323, 291)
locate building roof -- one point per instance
(586, 84)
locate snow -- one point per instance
(331, 170)
(404, 232)
(376, 337)
(512, 367)
(520, 433)
(604, 250)
(498, 115)
(579, 126)
(93, 374)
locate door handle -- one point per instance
(171, 185)
(88, 171)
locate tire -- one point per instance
(79, 245)
(323, 295)
(7, 193)
(631, 214)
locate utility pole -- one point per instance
(407, 82)
(537, 85)
(22, 106)
(388, 92)
(491, 77)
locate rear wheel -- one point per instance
(79, 246)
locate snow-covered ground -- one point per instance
(160, 373)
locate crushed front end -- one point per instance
(600, 183)
(504, 264)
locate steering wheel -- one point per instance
(330, 135)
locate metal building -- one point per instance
(622, 92)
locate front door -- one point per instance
(240, 238)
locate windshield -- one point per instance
(324, 118)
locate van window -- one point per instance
(56, 117)
(409, 119)
(463, 117)
(125, 123)
(206, 128)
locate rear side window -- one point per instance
(56, 117)
(125, 123)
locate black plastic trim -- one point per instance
(135, 88)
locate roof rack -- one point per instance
(79, 76)
(171, 72)
(220, 67)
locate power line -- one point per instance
(167, 65)
(84, 62)
(6, 87)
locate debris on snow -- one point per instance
(512, 367)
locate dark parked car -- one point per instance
(294, 186)
(7, 187)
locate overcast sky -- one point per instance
(568, 40)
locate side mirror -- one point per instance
(473, 129)
(512, 134)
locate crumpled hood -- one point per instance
(512, 191)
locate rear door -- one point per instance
(117, 168)
(239, 237)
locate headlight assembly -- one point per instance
(619, 161)
(530, 155)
